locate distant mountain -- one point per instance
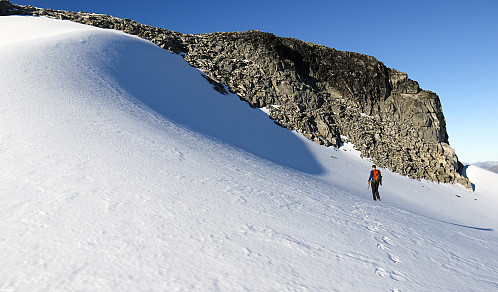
(489, 165)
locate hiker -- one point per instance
(374, 180)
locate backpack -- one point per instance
(377, 176)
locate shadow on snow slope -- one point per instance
(170, 86)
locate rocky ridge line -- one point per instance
(325, 94)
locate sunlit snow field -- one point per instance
(123, 170)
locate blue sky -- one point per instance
(449, 47)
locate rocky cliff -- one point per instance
(329, 96)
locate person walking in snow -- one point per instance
(374, 180)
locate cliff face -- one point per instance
(325, 94)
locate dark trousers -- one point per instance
(375, 190)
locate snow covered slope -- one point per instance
(122, 170)
(489, 165)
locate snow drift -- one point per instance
(123, 170)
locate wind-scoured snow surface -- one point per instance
(121, 169)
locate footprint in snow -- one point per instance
(394, 258)
(381, 272)
(372, 228)
(395, 275)
(387, 240)
(381, 246)
(398, 276)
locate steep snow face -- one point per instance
(121, 169)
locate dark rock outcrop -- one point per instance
(327, 95)
(5, 7)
